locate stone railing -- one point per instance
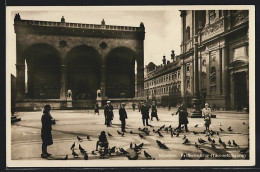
(213, 29)
(78, 25)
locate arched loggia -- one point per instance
(120, 73)
(83, 72)
(43, 72)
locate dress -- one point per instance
(46, 129)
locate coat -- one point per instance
(46, 129)
(206, 114)
(183, 115)
(145, 112)
(108, 110)
(154, 111)
(122, 114)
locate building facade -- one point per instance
(223, 56)
(163, 83)
(61, 61)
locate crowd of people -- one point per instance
(143, 107)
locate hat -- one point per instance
(206, 104)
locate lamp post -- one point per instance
(196, 112)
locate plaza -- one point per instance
(26, 135)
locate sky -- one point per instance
(162, 25)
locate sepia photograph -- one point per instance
(99, 86)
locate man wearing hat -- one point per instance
(122, 116)
(108, 111)
(145, 113)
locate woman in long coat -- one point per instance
(183, 117)
(47, 122)
(154, 112)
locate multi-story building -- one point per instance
(223, 61)
(163, 83)
(223, 58)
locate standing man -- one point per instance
(122, 116)
(108, 111)
(96, 110)
(154, 112)
(183, 117)
(145, 114)
(133, 105)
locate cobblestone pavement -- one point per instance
(26, 140)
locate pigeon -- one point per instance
(93, 153)
(213, 141)
(209, 139)
(217, 133)
(118, 132)
(141, 145)
(123, 134)
(201, 140)
(195, 133)
(244, 123)
(186, 141)
(161, 145)
(72, 146)
(160, 134)
(139, 129)
(131, 132)
(154, 131)
(166, 129)
(196, 125)
(147, 155)
(88, 137)
(235, 144)
(110, 135)
(140, 135)
(85, 156)
(229, 128)
(220, 141)
(79, 139)
(123, 151)
(132, 158)
(213, 145)
(131, 145)
(81, 149)
(184, 137)
(170, 126)
(205, 152)
(74, 153)
(197, 146)
(224, 145)
(113, 150)
(229, 143)
(172, 133)
(66, 157)
(177, 135)
(221, 129)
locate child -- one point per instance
(206, 113)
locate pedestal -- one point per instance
(196, 113)
(69, 102)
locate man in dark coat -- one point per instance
(47, 122)
(154, 112)
(145, 114)
(183, 117)
(122, 116)
(108, 111)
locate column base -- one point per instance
(196, 114)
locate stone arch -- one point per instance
(43, 71)
(83, 64)
(120, 72)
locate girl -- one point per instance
(206, 114)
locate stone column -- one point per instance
(140, 81)
(207, 18)
(63, 82)
(20, 81)
(103, 81)
(225, 71)
(220, 71)
(183, 77)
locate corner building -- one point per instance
(223, 54)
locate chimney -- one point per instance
(164, 60)
(173, 56)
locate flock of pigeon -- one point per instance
(134, 150)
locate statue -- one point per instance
(98, 94)
(69, 94)
(17, 17)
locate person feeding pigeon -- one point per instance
(183, 117)
(122, 116)
(108, 111)
(102, 141)
(47, 122)
(206, 114)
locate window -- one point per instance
(188, 68)
(188, 83)
(188, 33)
(213, 75)
(179, 75)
